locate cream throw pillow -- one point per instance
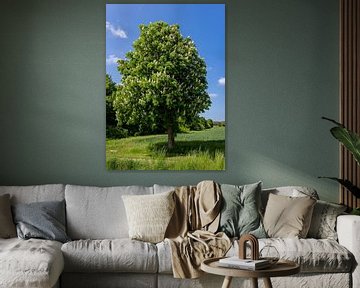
(149, 215)
(288, 217)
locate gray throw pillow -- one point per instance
(240, 213)
(44, 220)
(7, 226)
(323, 222)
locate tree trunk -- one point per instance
(171, 137)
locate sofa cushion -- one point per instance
(287, 216)
(313, 255)
(98, 213)
(36, 193)
(7, 226)
(240, 210)
(43, 220)
(164, 257)
(30, 263)
(149, 215)
(291, 191)
(323, 222)
(116, 255)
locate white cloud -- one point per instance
(213, 95)
(221, 81)
(112, 59)
(116, 31)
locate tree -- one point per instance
(110, 86)
(163, 81)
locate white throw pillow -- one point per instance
(149, 215)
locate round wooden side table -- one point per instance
(281, 268)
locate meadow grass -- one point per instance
(196, 150)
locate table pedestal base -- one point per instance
(267, 282)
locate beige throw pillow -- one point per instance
(7, 226)
(149, 215)
(288, 217)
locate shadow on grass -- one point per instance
(186, 147)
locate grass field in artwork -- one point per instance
(196, 150)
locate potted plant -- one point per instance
(351, 141)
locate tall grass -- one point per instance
(202, 150)
(192, 161)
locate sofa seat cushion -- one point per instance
(313, 255)
(115, 255)
(30, 263)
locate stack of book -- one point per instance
(248, 264)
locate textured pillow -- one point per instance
(288, 217)
(323, 222)
(7, 227)
(44, 220)
(240, 210)
(149, 215)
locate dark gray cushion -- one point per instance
(7, 227)
(240, 213)
(44, 220)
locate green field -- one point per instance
(196, 150)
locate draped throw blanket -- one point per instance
(191, 231)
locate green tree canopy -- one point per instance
(110, 86)
(163, 81)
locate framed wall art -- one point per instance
(165, 86)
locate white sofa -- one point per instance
(101, 254)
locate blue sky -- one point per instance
(204, 23)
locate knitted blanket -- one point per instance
(191, 232)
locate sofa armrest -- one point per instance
(348, 230)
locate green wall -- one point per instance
(282, 76)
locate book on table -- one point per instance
(249, 264)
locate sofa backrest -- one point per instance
(98, 212)
(163, 188)
(36, 193)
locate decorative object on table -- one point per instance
(254, 246)
(247, 264)
(269, 253)
(241, 261)
(351, 142)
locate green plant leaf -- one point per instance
(355, 211)
(347, 184)
(348, 138)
